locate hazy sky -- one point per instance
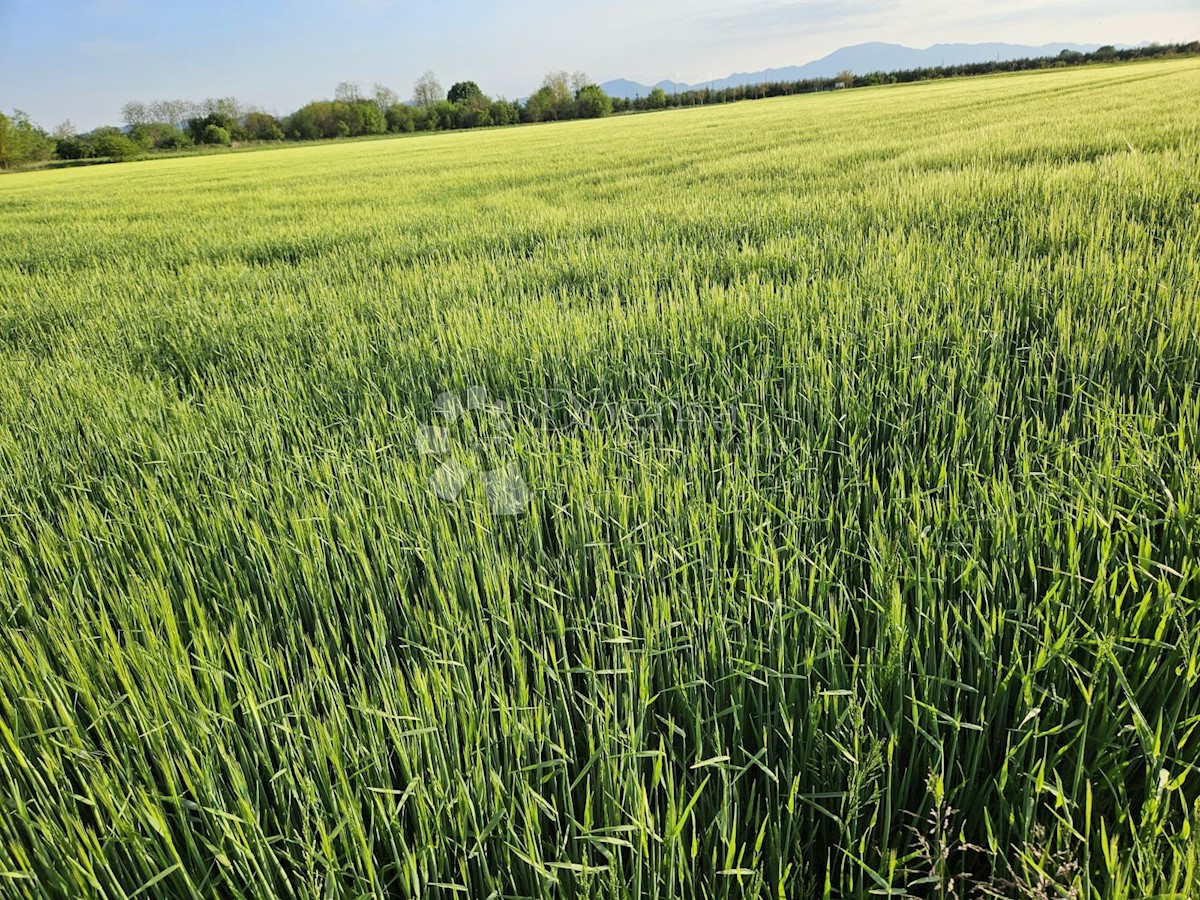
(82, 59)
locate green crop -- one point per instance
(860, 552)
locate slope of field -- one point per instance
(839, 533)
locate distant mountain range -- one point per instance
(860, 59)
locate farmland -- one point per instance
(850, 543)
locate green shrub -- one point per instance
(111, 144)
(215, 134)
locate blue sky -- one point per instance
(82, 59)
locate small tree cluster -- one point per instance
(567, 96)
(22, 142)
(334, 119)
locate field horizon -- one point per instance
(791, 498)
(253, 146)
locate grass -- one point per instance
(861, 552)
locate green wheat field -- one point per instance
(850, 544)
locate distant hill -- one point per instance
(860, 59)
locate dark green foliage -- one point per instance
(198, 128)
(471, 108)
(303, 124)
(466, 92)
(472, 115)
(261, 126)
(442, 115)
(423, 119)
(505, 112)
(72, 147)
(159, 136)
(593, 103)
(400, 119)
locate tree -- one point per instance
(466, 92)
(302, 125)
(347, 92)
(540, 107)
(471, 108)
(7, 143)
(261, 126)
(579, 81)
(172, 112)
(198, 127)
(385, 97)
(442, 115)
(21, 141)
(172, 138)
(72, 147)
(472, 114)
(158, 136)
(422, 119)
(427, 91)
(134, 113)
(226, 108)
(844, 78)
(64, 131)
(553, 100)
(592, 103)
(400, 119)
(366, 118)
(657, 99)
(176, 112)
(505, 112)
(559, 85)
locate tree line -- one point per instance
(175, 125)
(660, 99)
